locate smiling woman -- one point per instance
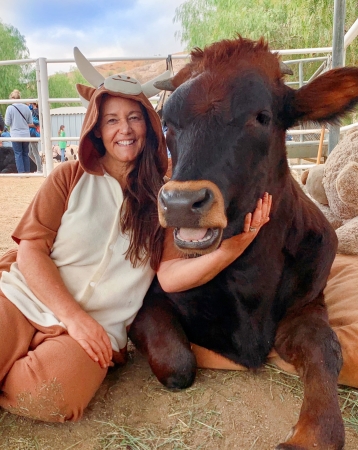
(89, 244)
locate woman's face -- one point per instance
(122, 129)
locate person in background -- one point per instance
(35, 111)
(62, 144)
(2, 123)
(35, 132)
(6, 134)
(18, 117)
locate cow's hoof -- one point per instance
(311, 446)
(285, 446)
(295, 441)
(314, 446)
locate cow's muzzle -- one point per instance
(196, 210)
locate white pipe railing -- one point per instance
(351, 34)
(302, 51)
(22, 100)
(301, 166)
(22, 139)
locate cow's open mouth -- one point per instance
(197, 238)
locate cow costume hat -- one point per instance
(119, 85)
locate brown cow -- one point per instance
(227, 120)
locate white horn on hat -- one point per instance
(149, 90)
(87, 70)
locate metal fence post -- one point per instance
(39, 99)
(337, 58)
(300, 84)
(46, 120)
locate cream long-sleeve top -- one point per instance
(78, 214)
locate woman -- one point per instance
(89, 245)
(62, 144)
(18, 117)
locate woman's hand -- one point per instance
(44, 279)
(92, 338)
(177, 275)
(252, 225)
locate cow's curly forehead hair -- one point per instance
(231, 55)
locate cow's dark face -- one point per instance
(226, 120)
(220, 135)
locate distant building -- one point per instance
(70, 116)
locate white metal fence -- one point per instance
(44, 101)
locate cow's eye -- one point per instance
(263, 118)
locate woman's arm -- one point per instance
(178, 275)
(35, 233)
(44, 279)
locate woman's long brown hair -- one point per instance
(139, 214)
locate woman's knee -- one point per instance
(48, 401)
(54, 382)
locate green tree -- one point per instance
(299, 24)
(23, 77)
(13, 47)
(63, 85)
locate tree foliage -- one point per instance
(63, 85)
(13, 47)
(23, 77)
(286, 25)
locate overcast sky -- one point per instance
(98, 28)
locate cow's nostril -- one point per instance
(204, 200)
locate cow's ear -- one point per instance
(327, 98)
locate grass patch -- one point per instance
(348, 397)
(178, 436)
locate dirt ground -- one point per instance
(131, 410)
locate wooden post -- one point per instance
(320, 146)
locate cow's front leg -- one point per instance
(305, 340)
(157, 334)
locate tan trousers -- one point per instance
(44, 373)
